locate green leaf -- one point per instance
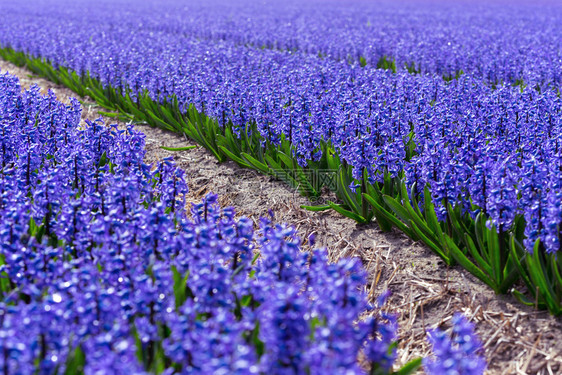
(195, 133)
(410, 367)
(316, 208)
(260, 346)
(414, 200)
(171, 118)
(381, 212)
(482, 263)
(556, 264)
(280, 172)
(346, 213)
(98, 96)
(520, 261)
(238, 160)
(113, 114)
(388, 185)
(245, 301)
(494, 253)
(332, 159)
(103, 160)
(75, 362)
(523, 298)
(255, 258)
(178, 148)
(459, 256)
(429, 212)
(538, 273)
(32, 228)
(180, 286)
(345, 192)
(158, 121)
(481, 237)
(362, 61)
(256, 163)
(286, 160)
(303, 184)
(434, 246)
(397, 208)
(305, 187)
(233, 142)
(132, 108)
(434, 234)
(510, 277)
(456, 220)
(4, 283)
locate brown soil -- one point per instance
(426, 293)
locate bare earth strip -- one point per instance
(517, 339)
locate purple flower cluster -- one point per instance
(456, 354)
(103, 270)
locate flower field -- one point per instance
(103, 271)
(440, 121)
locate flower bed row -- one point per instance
(519, 43)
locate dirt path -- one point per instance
(518, 340)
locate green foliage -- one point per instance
(410, 367)
(362, 61)
(178, 148)
(387, 63)
(542, 275)
(75, 362)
